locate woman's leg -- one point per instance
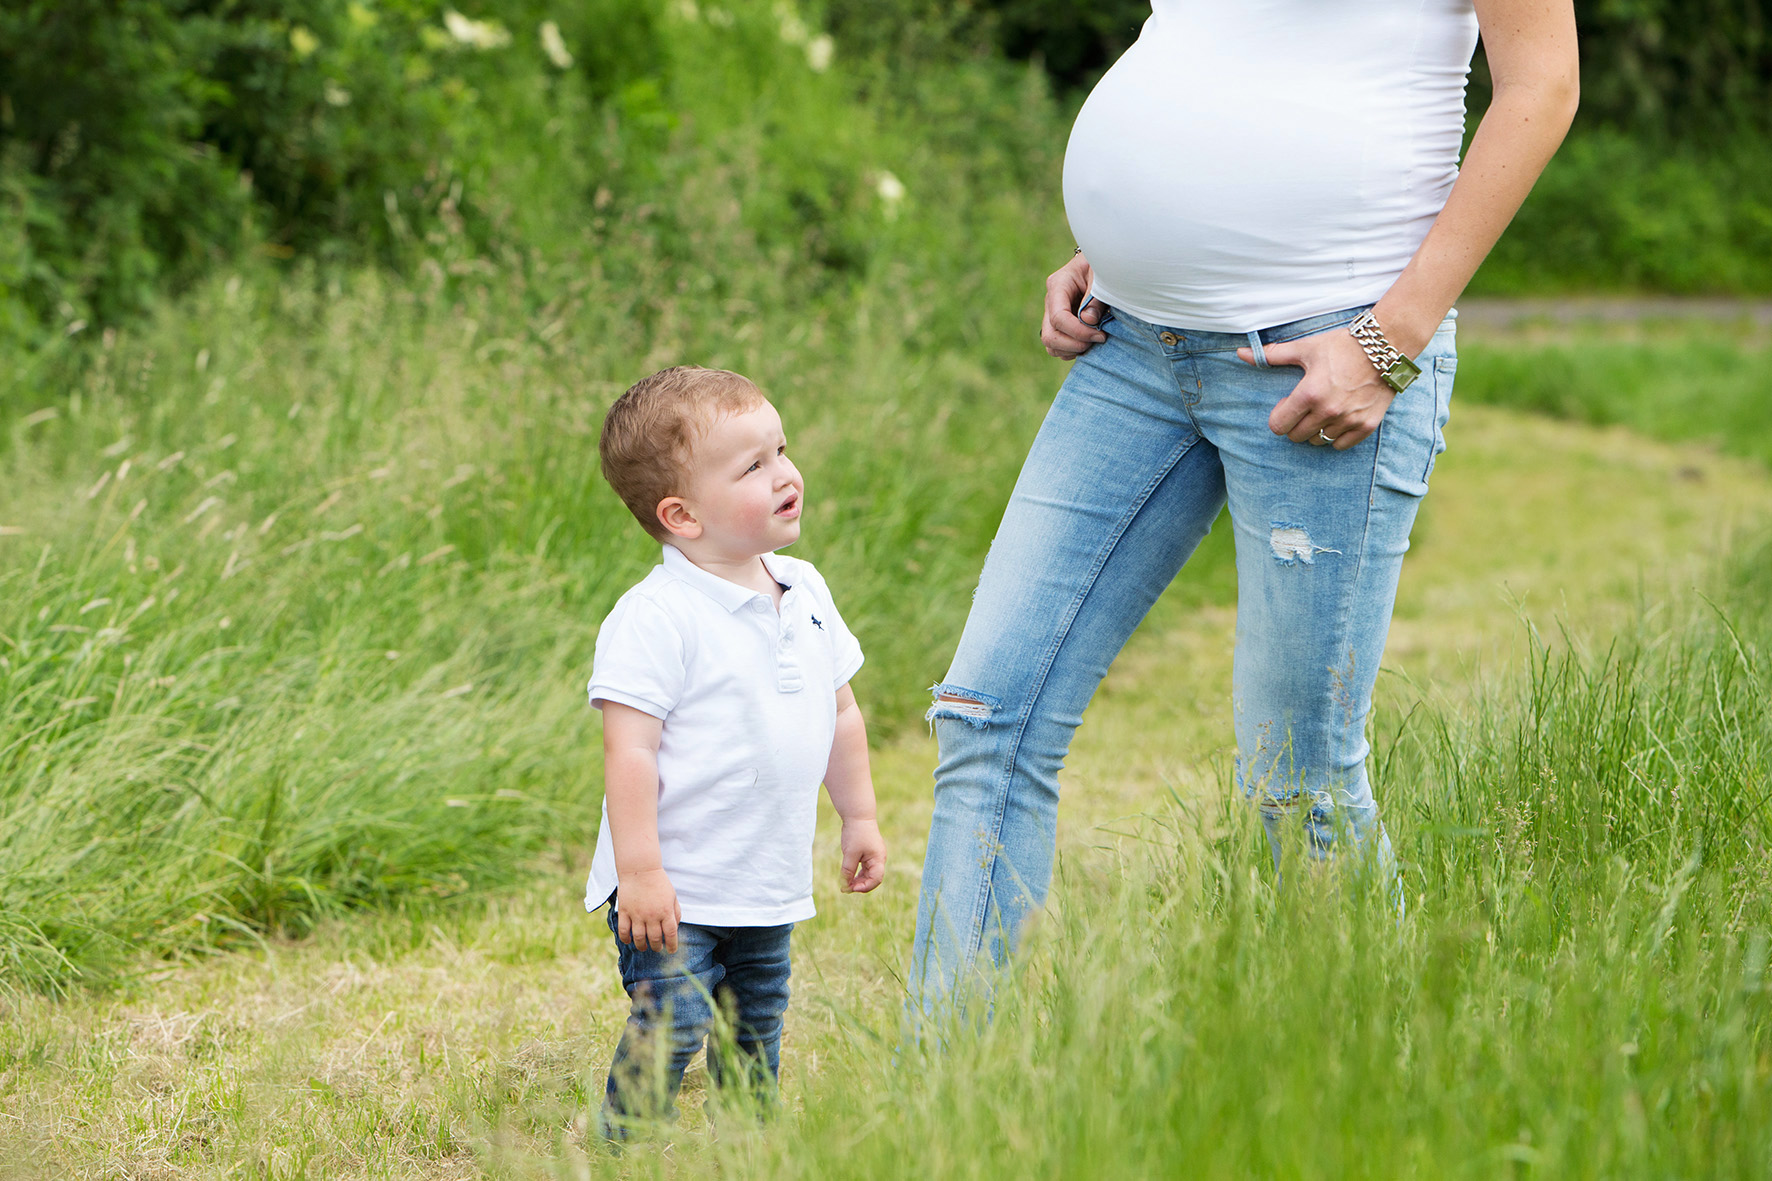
(1320, 539)
(1117, 491)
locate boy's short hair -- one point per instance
(651, 431)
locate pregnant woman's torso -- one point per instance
(1251, 162)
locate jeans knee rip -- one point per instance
(968, 705)
(1279, 803)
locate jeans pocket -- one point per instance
(1413, 432)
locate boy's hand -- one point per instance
(864, 856)
(646, 911)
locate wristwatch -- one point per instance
(1396, 369)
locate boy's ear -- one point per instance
(678, 519)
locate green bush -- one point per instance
(1616, 212)
(141, 141)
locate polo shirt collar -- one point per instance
(729, 595)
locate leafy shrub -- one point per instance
(1616, 211)
(143, 139)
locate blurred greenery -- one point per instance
(145, 142)
(1667, 68)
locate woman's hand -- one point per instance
(1064, 332)
(1341, 395)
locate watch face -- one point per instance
(1399, 375)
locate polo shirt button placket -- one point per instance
(787, 669)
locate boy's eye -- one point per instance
(782, 450)
(754, 466)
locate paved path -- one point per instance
(1489, 316)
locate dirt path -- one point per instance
(1549, 317)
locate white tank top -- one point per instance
(1252, 162)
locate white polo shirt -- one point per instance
(748, 700)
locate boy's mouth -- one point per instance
(789, 507)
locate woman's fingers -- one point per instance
(1069, 331)
(1064, 333)
(1338, 402)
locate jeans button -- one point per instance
(1169, 338)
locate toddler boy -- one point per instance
(723, 677)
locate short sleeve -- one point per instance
(640, 658)
(846, 657)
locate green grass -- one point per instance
(1580, 988)
(1670, 382)
(302, 578)
(302, 574)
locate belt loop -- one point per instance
(1255, 348)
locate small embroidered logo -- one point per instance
(817, 623)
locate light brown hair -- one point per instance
(651, 431)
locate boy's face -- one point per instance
(743, 491)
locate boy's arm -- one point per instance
(647, 913)
(851, 787)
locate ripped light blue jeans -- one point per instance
(1153, 432)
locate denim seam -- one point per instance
(980, 903)
(1352, 593)
(1190, 404)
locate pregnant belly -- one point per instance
(1189, 189)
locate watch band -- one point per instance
(1396, 369)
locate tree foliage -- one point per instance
(141, 140)
(1657, 67)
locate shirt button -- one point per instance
(1169, 338)
(759, 606)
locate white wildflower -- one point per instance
(793, 29)
(554, 45)
(890, 188)
(687, 10)
(336, 96)
(479, 34)
(819, 52)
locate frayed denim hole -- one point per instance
(966, 705)
(1291, 544)
(1322, 807)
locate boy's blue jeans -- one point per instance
(1153, 431)
(744, 970)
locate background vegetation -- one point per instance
(143, 142)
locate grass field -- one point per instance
(385, 830)
(299, 582)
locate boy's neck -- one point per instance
(749, 573)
